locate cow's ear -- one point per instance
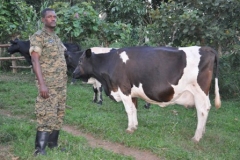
(88, 53)
(13, 42)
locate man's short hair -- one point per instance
(43, 13)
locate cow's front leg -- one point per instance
(134, 111)
(100, 95)
(95, 94)
(97, 97)
(131, 113)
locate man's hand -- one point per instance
(44, 91)
(38, 71)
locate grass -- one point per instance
(20, 136)
(166, 132)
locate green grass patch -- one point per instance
(166, 132)
(20, 133)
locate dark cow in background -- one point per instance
(73, 59)
(159, 75)
(22, 47)
(72, 47)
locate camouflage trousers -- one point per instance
(50, 112)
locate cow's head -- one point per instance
(73, 47)
(21, 47)
(72, 58)
(14, 46)
(83, 70)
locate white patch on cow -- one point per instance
(116, 96)
(130, 109)
(91, 81)
(184, 94)
(100, 50)
(124, 56)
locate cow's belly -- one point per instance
(183, 97)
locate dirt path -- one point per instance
(95, 142)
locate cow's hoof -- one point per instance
(130, 131)
(134, 128)
(99, 102)
(195, 140)
(147, 105)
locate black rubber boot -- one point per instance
(41, 142)
(53, 139)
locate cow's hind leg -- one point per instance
(202, 104)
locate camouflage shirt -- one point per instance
(52, 60)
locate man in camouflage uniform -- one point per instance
(47, 54)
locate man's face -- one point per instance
(50, 19)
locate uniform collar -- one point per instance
(49, 33)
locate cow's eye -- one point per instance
(80, 61)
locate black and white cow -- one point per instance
(159, 75)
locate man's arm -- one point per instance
(37, 69)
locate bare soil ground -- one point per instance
(93, 142)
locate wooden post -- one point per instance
(12, 58)
(14, 64)
(2, 49)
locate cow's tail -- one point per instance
(217, 95)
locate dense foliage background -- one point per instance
(121, 23)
